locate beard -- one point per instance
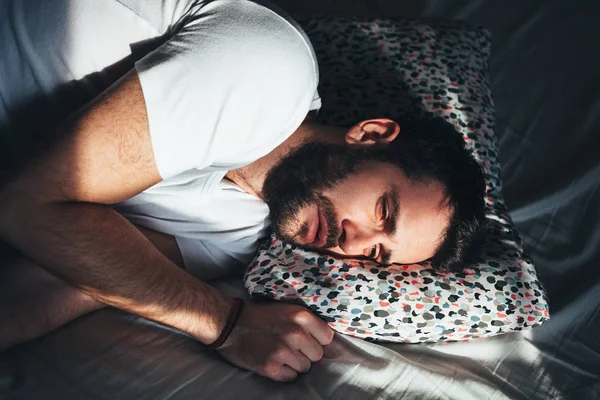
(300, 178)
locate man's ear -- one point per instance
(372, 131)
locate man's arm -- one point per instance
(164, 243)
(55, 212)
(34, 302)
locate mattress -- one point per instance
(546, 87)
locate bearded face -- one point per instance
(299, 180)
(352, 201)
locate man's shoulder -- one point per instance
(232, 84)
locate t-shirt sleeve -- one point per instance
(234, 82)
(315, 104)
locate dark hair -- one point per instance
(431, 148)
(427, 149)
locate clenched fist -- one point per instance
(276, 340)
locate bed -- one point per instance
(546, 87)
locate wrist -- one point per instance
(232, 318)
(206, 316)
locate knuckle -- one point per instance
(296, 333)
(272, 370)
(302, 316)
(278, 354)
(272, 367)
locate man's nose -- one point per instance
(357, 239)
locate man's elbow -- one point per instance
(18, 203)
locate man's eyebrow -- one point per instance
(394, 205)
(394, 210)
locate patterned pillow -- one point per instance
(410, 67)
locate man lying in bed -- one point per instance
(175, 163)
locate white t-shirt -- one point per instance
(224, 83)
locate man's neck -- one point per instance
(252, 176)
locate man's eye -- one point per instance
(373, 252)
(384, 210)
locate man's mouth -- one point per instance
(317, 230)
(322, 232)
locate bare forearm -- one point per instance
(51, 211)
(34, 302)
(100, 252)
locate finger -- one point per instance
(299, 362)
(285, 355)
(307, 345)
(318, 329)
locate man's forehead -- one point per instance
(423, 215)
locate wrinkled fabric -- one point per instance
(546, 87)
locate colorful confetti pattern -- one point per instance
(410, 67)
